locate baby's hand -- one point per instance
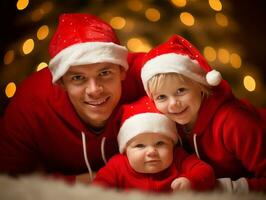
(181, 183)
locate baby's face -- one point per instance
(150, 152)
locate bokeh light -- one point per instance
(235, 60)
(118, 22)
(223, 55)
(41, 66)
(249, 83)
(28, 46)
(216, 5)
(152, 14)
(9, 57)
(43, 32)
(10, 89)
(179, 3)
(187, 19)
(22, 4)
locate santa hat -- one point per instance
(142, 117)
(83, 39)
(177, 55)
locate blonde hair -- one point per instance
(157, 81)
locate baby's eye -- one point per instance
(160, 143)
(139, 146)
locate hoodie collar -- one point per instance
(219, 96)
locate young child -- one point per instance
(222, 130)
(150, 159)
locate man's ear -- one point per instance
(123, 73)
(60, 82)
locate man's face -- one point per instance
(94, 90)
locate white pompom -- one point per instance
(213, 78)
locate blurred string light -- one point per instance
(209, 53)
(28, 46)
(235, 60)
(215, 5)
(118, 22)
(22, 4)
(41, 66)
(43, 32)
(130, 24)
(42, 10)
(223, 55)
(179, 3)
(9, 57)
(10, 89)
(249, 83)
(187, 18)
(127, 25)
(221, 19)
(135, 5)
(138, 45)
(153, 14)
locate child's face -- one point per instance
(150, 152)
(179, 99)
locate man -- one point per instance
(65, 119)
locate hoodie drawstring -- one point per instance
(195, 145)
(102, 149)
(85, 154)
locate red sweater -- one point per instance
(230, 136)
(119, 174)
(42, 130)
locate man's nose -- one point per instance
(93, 88)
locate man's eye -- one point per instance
(77, 78)
(104, 73)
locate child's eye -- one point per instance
(181, 90)
(160, 97)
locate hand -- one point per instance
(180, 184)
(227, 185)
(83, 178)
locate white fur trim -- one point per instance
(224, 185)
(87, 53)
(143, 123)
(227, 185)
(173, 63)
(240, 185)
(213, 77)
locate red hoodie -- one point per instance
(118, 173)
(42, 130)
(230, 136)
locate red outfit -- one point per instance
(42, 129)
(119, 174)
(230, 136)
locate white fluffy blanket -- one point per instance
(35, 187)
